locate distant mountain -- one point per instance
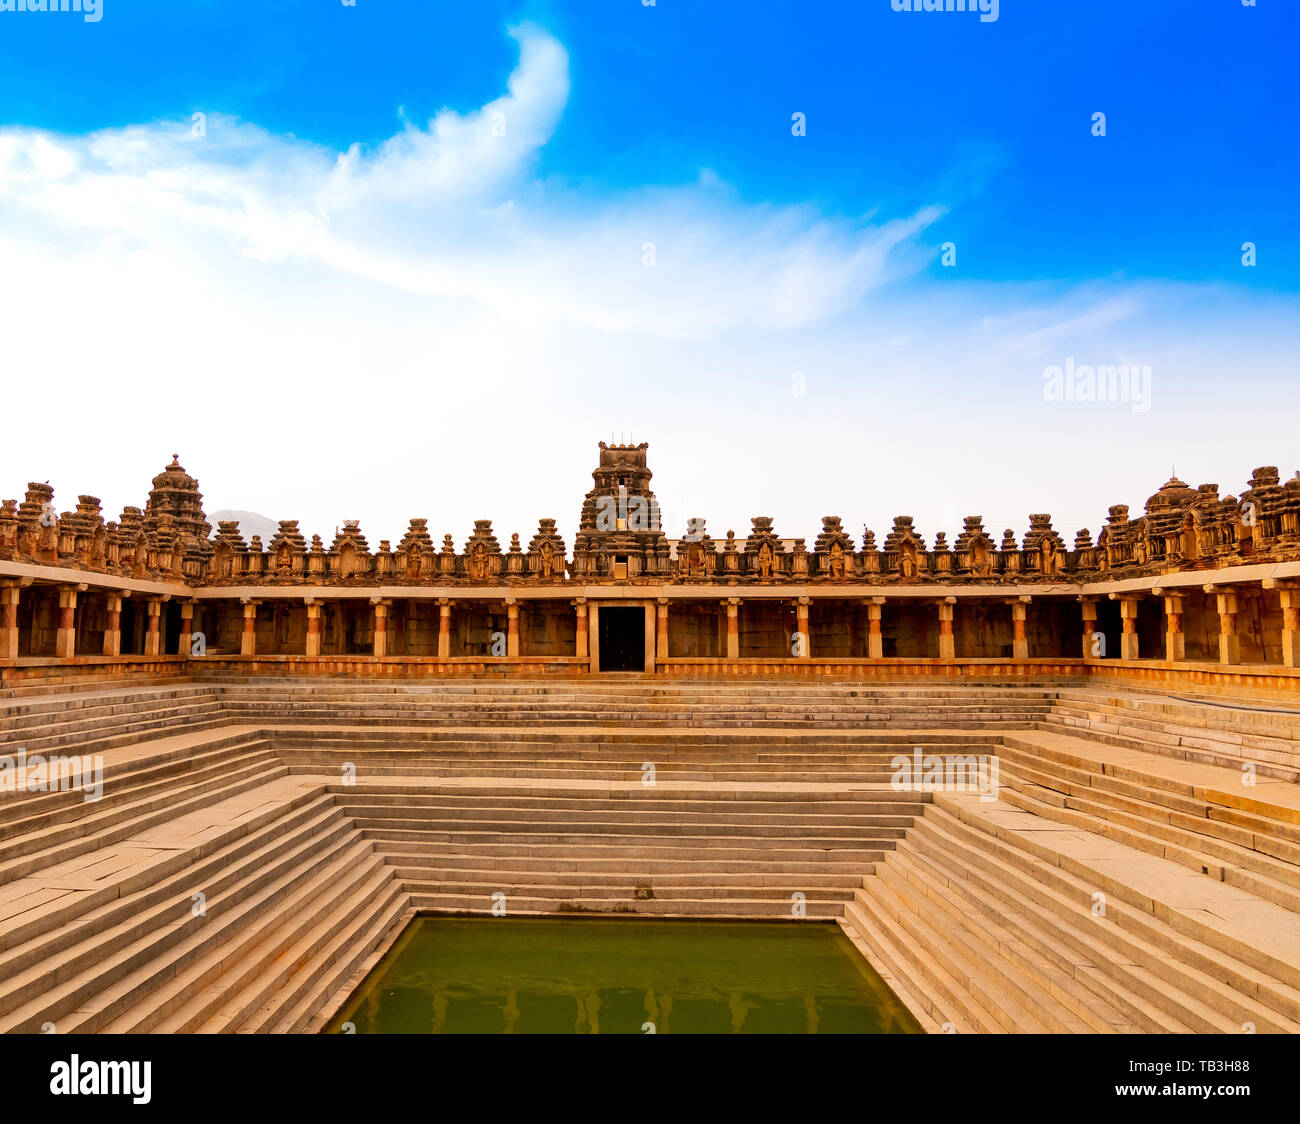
(250, 524)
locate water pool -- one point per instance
(453, 975)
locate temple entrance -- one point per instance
(622, 639)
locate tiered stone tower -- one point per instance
(619, 532)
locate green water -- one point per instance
(449, 975)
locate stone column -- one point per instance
(153, 635)
(1019, 638)
(187, 629)
(947, 644)
(1088, 607)
(380, 640)
(512, 628)
(650, 633)
(65, 640)
(444, 628)
(593, 635)
(1229, 642)
(661, 629)
(9, 621)
(875, 639)
(733, 628)
(1290, 596)
(1175, 641)
(248, 642)
(801, 627)
(580, 632)
(1128, 641)
(113, 626)
(314, 609)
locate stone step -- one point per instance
(1185, 848)
(627, 878)
(706, 815)
(951, 994)
(833, 805)
(84, 932)
(1128, 990)
(24, 855)
(247, 968)
(407, 855)
(611, 891)
(308, 998)
(1149, 950)
(37, 811)
(1023, 975)
(816, 909)
(144, 956)
(880, 949)
(524, 834)
(16, 728)
(210, 944)
(595, 847)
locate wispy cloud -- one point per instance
(450, 210)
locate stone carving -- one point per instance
(170, 538)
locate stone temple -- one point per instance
(323, 740)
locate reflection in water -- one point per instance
(533, 976)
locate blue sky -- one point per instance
(508, 282)
(1202, 100)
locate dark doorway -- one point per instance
(171, 644)
(1111, 625)
(622, 639)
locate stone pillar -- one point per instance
(1229, 642)
(153, 635)
(9, 621)
(512, 628)
(248, 642)
(380, 641)
(113, 626)
(1019, 639)
(1128, 641)
(650, 633)
(1175, 641)
(314, 609)
(187, 629)
(65, 640)
(733, 628)
(875, 639)
(1088, 607)
(444, 628)
(947, 644)
(580, 635)
(1290, 597)
(661, 629)
(801, 627)
(593, 635)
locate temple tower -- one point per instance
(619, 532)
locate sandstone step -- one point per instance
(322, 965)
(1128, 943)
(245, 972)
(27, 854)
(777, 910)
(83, 934)
(211, 943)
